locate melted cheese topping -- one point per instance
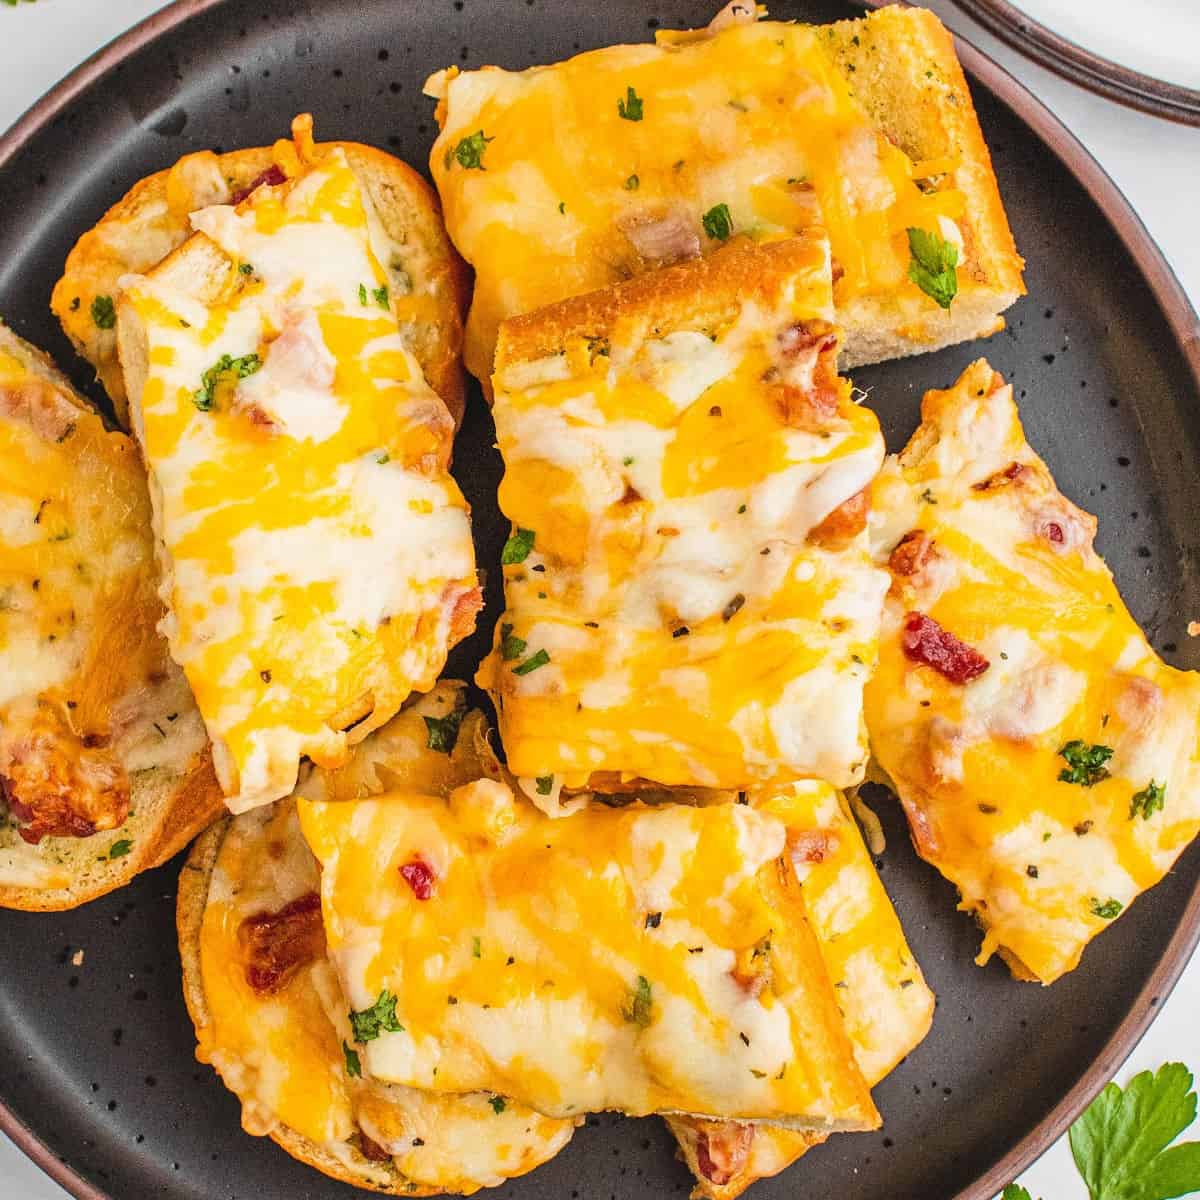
(642, 959)
(282, 1054)
(1044, 863)
(885, 1003)
(757, 117)
(694, 636)
(78, 608)
(334, 442)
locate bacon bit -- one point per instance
(371, 1149)
(419, 876)
(271, 177)
(57, 787)
(807, 352)
(925, 641)
(1052, 531)
(911, 554)
(812, 845)
(277, 944)
(1001, 479)
(467, 604)
(722, 1149)
(842, 525)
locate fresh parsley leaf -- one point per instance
(443, 731)
(511, 646)
(540, 659)
(517, 548)
(104, 312)
(544, 784)
(120, 848)
(1109, 909)
(1148, 801)
(1014, 1191)
(381, 296)
(368, 1023)
(499, 1104)
(469, 151)
(1120, 1144)
(933, 266)
(718, 223)
(225, 369)
(353, 1062)
(1087, 765)
(630, 109)
(638, 1007)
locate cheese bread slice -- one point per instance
(269, 1012)
(690, 596)
(643, 959)
(426, 280)
(318, 555)
(885, 1003)
(104, 766)
(561, 179)
(1046, 757)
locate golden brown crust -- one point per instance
(701, 293)
(137, 232)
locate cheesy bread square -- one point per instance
(643, 959)
(886, 1006)
(269, 1012)
(318, 555)
(1045, 756)
(104, 766)
(690, 596)
(561, 179)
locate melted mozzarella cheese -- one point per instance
(614, 959)
(321, 554)
(757, 118)
(695, 635)
(1045, 863)
(284, 1054)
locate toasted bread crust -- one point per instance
(151, 220)
(738, 273)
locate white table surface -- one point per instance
(1156, 164)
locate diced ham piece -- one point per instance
(662, 240)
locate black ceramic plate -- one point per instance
(96, 1061)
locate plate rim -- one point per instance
(1099, 74)
(1184, 323)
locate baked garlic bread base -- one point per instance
(104, 765)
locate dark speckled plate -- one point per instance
(96, 1063)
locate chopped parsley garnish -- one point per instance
(499, 1104)
(476, 948)
(383, 458)
(443, 731)
(353, 1062)
(120, 848)
(632, 183)
(104, 312)
(246, 268)
(469, 151)
(637, 1008)
(1148, 801)
(1108, 909)
(630, 109)
(511, 646)
(540, 659)
(1087, 765)
(225, 369)
(362, 294)
(928, 497)
(368, 1023)
(562, 207)
(517, 548)
(653, 920)
(718, 223)
(381, 296)
(544, 784)
(932, 266)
